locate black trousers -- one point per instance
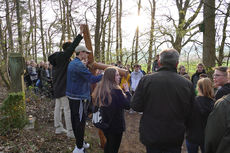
(77, 125)
(113, 142)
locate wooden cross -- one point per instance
(91, 63)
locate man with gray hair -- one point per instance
(166, 99)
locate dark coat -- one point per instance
(197, 122)
(60, 62)
(224, 90)
(113, 114)
(166, 100)
(217, 132)
(196, 77)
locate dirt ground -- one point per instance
(42, 138)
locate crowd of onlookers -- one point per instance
(39, 76)
(172, 104)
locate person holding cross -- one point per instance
(79, 79)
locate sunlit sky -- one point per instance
(130, 20)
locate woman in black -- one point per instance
(203, 105)
(112, 102)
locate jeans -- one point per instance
(113, 142)
(193, 148)
(150, 149)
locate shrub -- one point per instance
(13, 113)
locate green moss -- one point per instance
(13, 113)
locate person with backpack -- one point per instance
(60, 61)
(112, 101)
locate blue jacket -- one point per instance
(79, 79)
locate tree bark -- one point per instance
(9, 27)
(209, 35)
(42, 33)
(120, 33)
(150, 50)
(35, 33)
(19, 25)
(137, 34)
(97, 32)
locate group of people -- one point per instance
(172, 106)
(39, 76)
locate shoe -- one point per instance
(70, 134)
(86, 145)
(76, 150)
(60, 130)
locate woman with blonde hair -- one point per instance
(112, 101)
(203, 105)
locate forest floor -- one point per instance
(42, 138)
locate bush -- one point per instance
(13, 113)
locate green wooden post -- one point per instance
(16, 70)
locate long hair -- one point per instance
(205, 88)
(102, 93)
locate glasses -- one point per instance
(217, 75)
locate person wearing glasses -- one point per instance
(220, 80)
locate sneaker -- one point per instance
(60, 130)
(70, 134)
(76, 150)
(86, 145)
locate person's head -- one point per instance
(82, 52)
(182, 70)
(157, 57)
(110, 80)
(66, 45)
(136, 67)
(203, 75)
(46, 65)
(200, 67)
(186, 76)
(205, 88)
(169, 58)
(41, 64)
(220, 76)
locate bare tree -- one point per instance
(42, 31)
(150, 50)
(137, 34)
(209, 35)
(97, 31)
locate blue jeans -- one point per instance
(193, 148)
(150, 149)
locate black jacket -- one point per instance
(217, 132)
(113, 114)
(60, 61)
(196, 77)
(198, 120)
(166, 100)
(224, 90)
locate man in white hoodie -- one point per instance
(136, 76)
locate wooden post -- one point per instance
(16, 70)
(91, 63)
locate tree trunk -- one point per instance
(120, 33)
(209, 35)
(35, 33)
(97, 31)
(221, 51)
(137, 34)
(150, 50)
(9, 28)
(109, 33)
(42, 33)
(19, 25)
(117, 30)
(68, 19)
